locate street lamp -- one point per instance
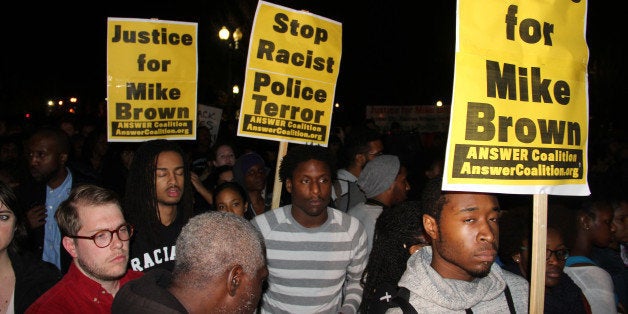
(223, 33)
(237, 35)
(232, 41)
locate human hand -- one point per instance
(196, 181)
(200, 188)
(36, 216)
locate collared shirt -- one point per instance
(52, 235)
(77, 293)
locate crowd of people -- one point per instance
(363, 226)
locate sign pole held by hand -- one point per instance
(277, 187)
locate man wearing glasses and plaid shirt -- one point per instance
(97, 236)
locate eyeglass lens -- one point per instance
(561, 254)
(103, 238)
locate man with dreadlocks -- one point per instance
(158, 202)
(316, 254)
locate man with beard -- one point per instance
(316, 254)
(97, 237)
(47, 152)
(158, 201)
(457, 272)
(220, 267)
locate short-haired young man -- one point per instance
(97, 237)
(362, 146)
(316, 254)
(457, 272)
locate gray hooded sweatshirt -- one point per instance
(431, 293)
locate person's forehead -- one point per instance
(376, 144)
(228, 194)
(312, 164)
(98, 217)
(41, 140)
(224, 150)
(4, 208)
(256, 166)
(169, 155)
(460, 200)
(622, 209)
(226, 174)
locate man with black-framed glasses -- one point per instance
(97, 236)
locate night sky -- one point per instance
(394, 52)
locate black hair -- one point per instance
(301, 153)
(230, 185)
(62, 140)
(514, 227)
(140, 202)
(396, 229)
(357, 142)
(10, 201)
(212, 178)
(433, 198)
(565, 212)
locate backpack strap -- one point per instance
(401, 299)
(511, 304)
(348, 196)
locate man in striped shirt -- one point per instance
(315, 253)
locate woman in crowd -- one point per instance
(23, 277)
(230, 197)
(586, 223)
(562, 295)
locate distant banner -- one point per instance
(210, 118)
(519, 121)
(292, 69)
(151, 79)
(410, 118)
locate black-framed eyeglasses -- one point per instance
(103, 238)
(561, 254)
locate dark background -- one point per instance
(394, 52)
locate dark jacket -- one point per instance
(148, 295)
(566, 297)
(29, 194)
(33, 277)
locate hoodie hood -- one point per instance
(449, 293)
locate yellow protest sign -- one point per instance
(291, 74)
(151, 79)
(519, 121)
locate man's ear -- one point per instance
(234, 279)
(516, 257)
(289, 185)
(430, 226)
(69, 246)
(64, 158)
(584, 221)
